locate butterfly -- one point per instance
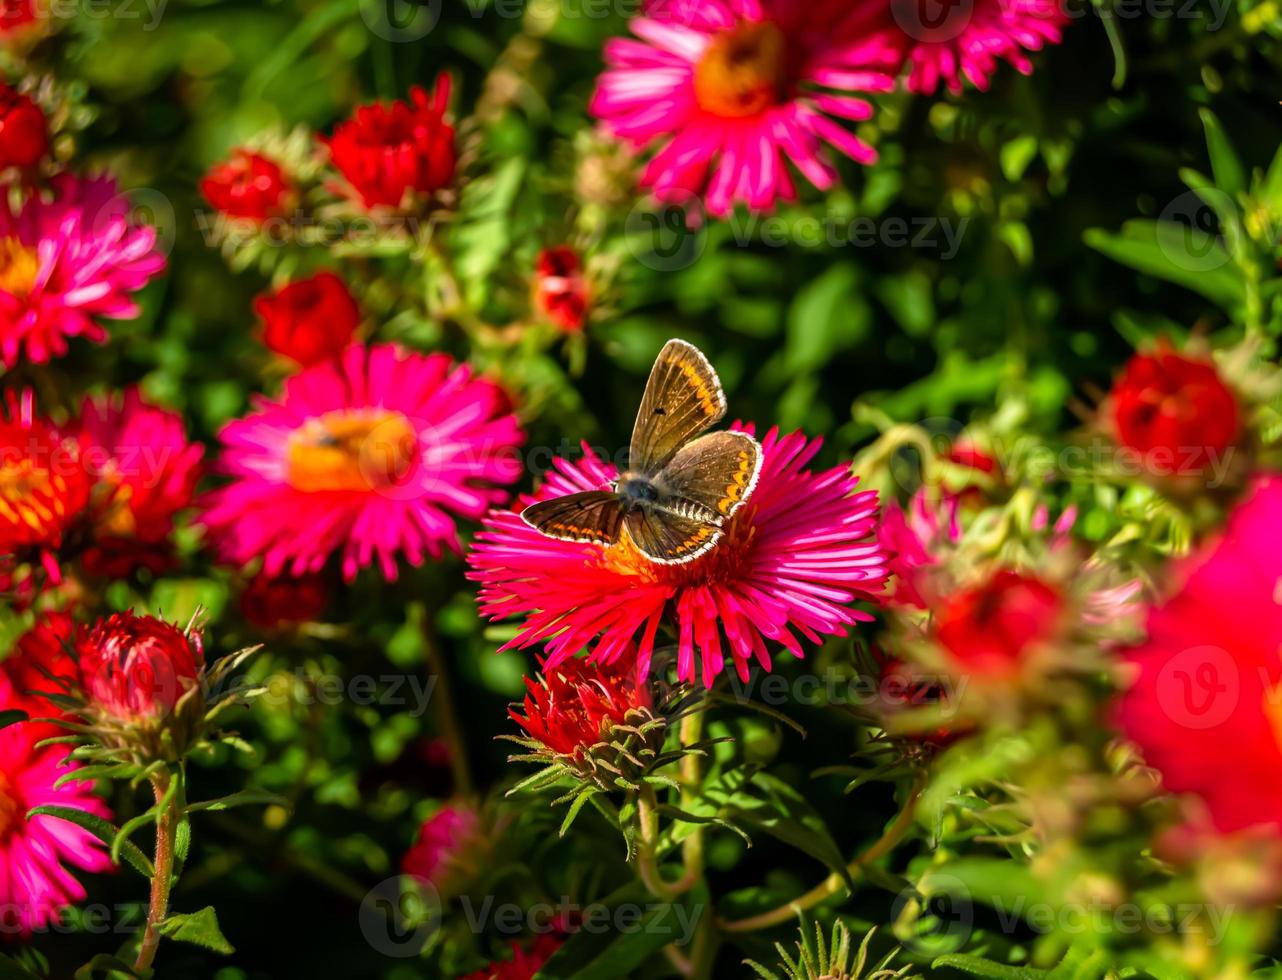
(682, 486)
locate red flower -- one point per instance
(248, 185)
(560, 289)
(1176, 411)
(273, 602)
(443, 845)
(44, 488)
(394, 154)
(40, 652)
(136, 668)
(309, 321)
(24, 136)
(524, 963)
(990, 629)
(15, 14)
(575, 705)
(146, 472)
(1206, 704)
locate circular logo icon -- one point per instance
(399, 916)
(1199, 688)
(401, 20)
(932, 21)
(936, 918)
(1190, 235)
(140, 207)
(667, 235)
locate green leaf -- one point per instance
(11, 716)
(106, 965)
(199, 928)
(980, 967)
(1188, 257)
(828, 315)
(1230, 176)
(246, 797)
(104, 830)
(11, 969)
(628, 928)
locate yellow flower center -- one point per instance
(29, 495)
(352, 450)
(19, 266)
(743, 72)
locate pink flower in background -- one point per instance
(793, 561)
(914, 537)
(443, 844)
(370, 458)
(524, 964)
(727, 91)
(66, 261)
(1206, 704)
(36, 855)
(951, 42)
(146, 472)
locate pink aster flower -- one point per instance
(67, 260)
(1206, 703)
(792, 561)
(726, 90)
(146, 471)
(371, 457)
(36, 855)
(949, 42)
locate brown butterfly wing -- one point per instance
(682, 398)
(669, 538)
(710, 478)
(594, 516)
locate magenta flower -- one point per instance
(726, 90)
(66, 261)
(443, 845)
(35, 854)
(371, 457)
(791, 564)
(966, 40)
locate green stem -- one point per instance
(447, 717)
(161, 881)
(835, 882)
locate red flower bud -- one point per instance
(560, 289)
(309, 320)
(1176, 411)
(445, 841)
(24, 133)
(248, 185)
(393, 153)
(576, 705)
(991, 629)
(136, 668)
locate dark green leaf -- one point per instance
(200, 928)
(100, 828)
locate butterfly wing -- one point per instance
(710, 478)
(591, 517)
(669, 538)
(682, 398)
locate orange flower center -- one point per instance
(743, 72)
(352, 450)
(19, 266)
(722, 563)
(30, 497)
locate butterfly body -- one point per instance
(683, 484)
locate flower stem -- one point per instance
(447, 711)
(835, 882)
(166, 832)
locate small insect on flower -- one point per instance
(681, 486)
